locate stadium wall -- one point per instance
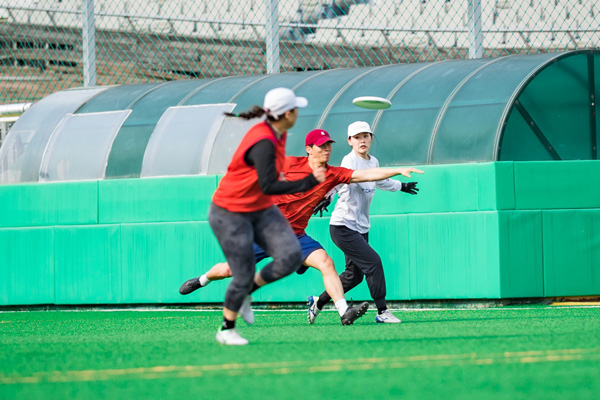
(475, 231)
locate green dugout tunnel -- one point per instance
(111, 185)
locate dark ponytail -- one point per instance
(254, 112)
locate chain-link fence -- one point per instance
(51, 45)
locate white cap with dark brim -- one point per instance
(279, 100)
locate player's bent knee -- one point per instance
(242, 284)
(321, 261)
(328, 267)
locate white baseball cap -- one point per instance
(280, 100)
(358, 127)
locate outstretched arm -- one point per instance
(377, 174)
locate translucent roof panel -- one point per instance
(321, 90)
(254, 93)
(223, 90)
(521, 107)
(185, 134)
(92, 135)
(21, 153)
(477, 115)
(372, 82)
(126, 157)
(117, 98)
(420, 101)
(226, 142)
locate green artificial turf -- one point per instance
(538, 352)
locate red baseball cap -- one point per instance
(318, 137)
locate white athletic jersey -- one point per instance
(352, 207)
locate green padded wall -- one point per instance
(385, 230)
(390, 238)
(26, 256)
(480, 230)
(455, 190)
(505, 247)
(157, 258)
(48, 204)
(155, 199)
(571, 252)
(463, 187)
(496, 187)
(521, 254)
(454, 255)
(548, 185)
(87, 264)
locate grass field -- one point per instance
(533, 352)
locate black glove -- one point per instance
(410, 187)
(323, 204)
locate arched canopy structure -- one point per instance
(523, 107)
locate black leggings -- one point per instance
(237, 233)
(361, 261)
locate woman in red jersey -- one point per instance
(242, 211)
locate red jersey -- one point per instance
(298, 207)
(238, 190)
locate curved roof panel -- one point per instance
(522, 107)
(553, 115)
(22, 152)
(420, 99)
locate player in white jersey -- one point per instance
(349, 225)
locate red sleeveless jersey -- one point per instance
(238, 190)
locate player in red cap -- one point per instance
(298, 208)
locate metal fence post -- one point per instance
(475, 33)
(272, 37)
(88, 22)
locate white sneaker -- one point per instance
(313, 311)
(387, 317)
(246, 311)
(230, 337)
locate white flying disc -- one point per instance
(372, 102)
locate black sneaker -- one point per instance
(354, 313)
(190, 286)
